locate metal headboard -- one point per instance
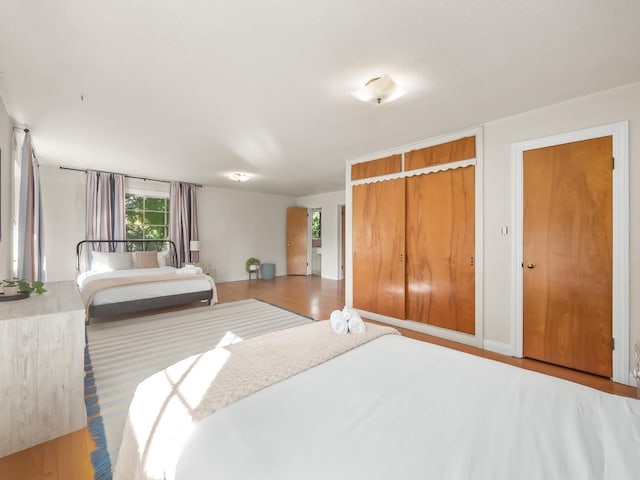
(126, 246)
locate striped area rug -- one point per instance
(123, 353)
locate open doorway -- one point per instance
(316, 241)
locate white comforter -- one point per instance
(143, 291)
(397, 408)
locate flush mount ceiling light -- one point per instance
(239, 177)
(379, 90)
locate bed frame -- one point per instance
(85, 247)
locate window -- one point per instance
(316, 225)
(147, 217)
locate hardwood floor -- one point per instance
(311, 296)
(64, 458)
(68, 457)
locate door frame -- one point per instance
(620, 306)
(342, 240)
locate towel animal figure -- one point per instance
(354, 320)
(338, 323)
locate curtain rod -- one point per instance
(128, 176)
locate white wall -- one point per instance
(6, 135)
(602, 108)
(233, 226)
(236, 225)
(329, 203)
(63, 203)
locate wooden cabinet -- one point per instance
(41, 368)
(440, 249)
(378, 247)
(443, 153)
(413, 236)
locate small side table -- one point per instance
(254, 268)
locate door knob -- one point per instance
(531, 265)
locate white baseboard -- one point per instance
(498, 347)
(452, 335)
(237, 278)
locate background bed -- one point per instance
(84, 251)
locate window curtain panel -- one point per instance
(31, 256)
(183, 220)
(105, 218)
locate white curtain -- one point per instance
(31, 256)
(105, 218)
(183, 220)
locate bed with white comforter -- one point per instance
(398, 408)
(122, 282)
(141, 291)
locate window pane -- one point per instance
(154, 218)
(134, 218)
(155, 232)
(146, 218)
(133, 202)
(315, 225)
(135, 232)
(155, 204)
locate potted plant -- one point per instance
(252, 264)
(15, 286)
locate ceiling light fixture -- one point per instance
(379, 90)
(239, 177)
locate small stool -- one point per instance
(254, 268)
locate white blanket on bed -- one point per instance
(168, 404)
(397, 408)
(140, 283)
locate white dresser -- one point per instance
(41, 367)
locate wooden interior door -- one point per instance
(297, 241)
(568, 245)
(441, 248)
(378, 228)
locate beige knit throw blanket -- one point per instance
(167, 404)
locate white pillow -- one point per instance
(163, 258)
(105, 261)
(120, 260)
(100, 262)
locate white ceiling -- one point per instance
(195, 90)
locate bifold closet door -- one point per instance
(441, 248)
(378, 228)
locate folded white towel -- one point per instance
(189, 270)
(356, 325)
(338, 323)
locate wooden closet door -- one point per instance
(568, 255)
(440, 249)
(378, 228)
